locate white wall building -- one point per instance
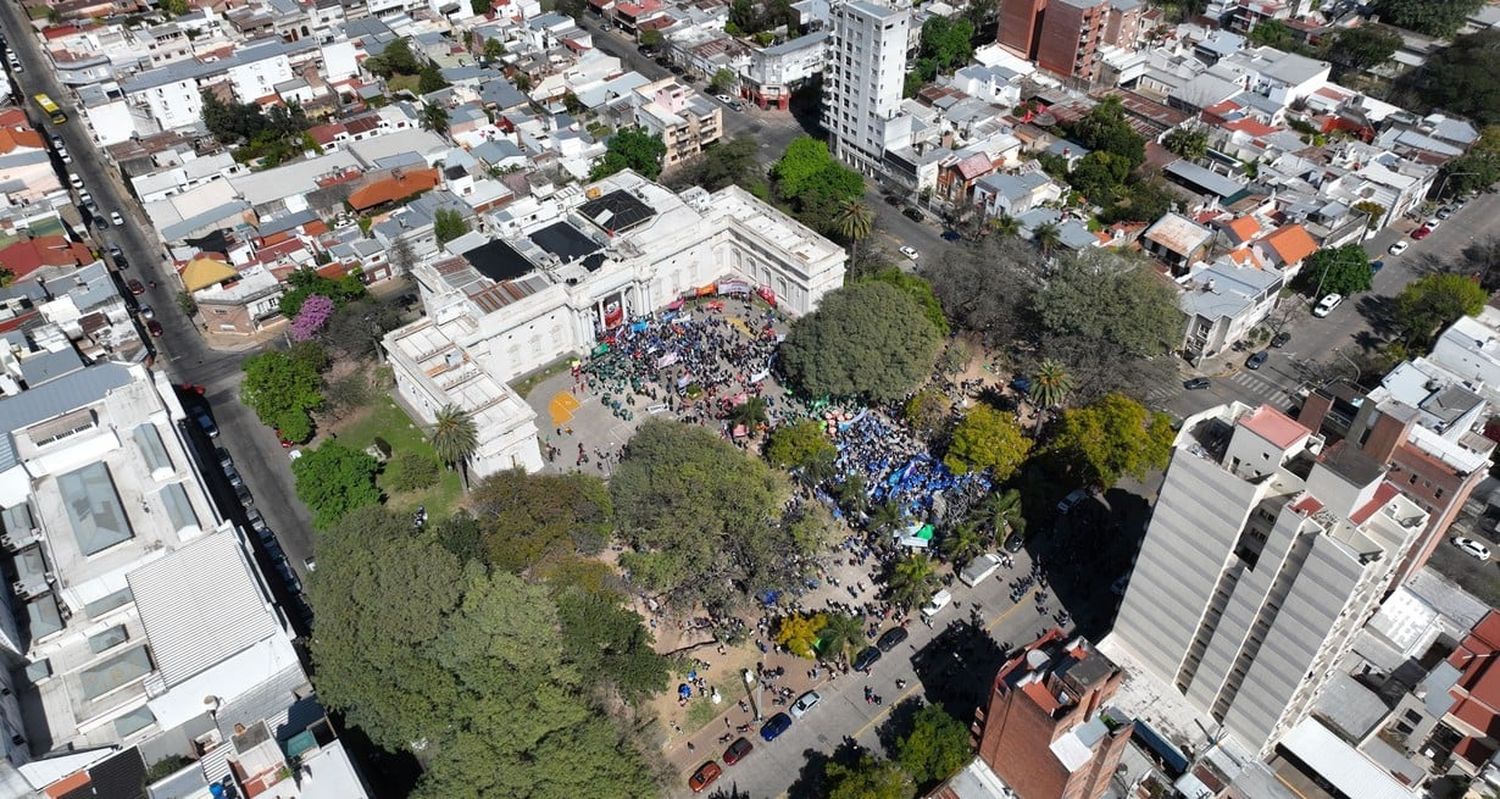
(569, 270)
(1263, 558)
(863, 79)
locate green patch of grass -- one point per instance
(700, 712)
(525, 385)
(396, 84)
(388, 421)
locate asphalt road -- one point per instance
(1352, 328)
(181, 350)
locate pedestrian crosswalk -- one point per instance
(1247, 387)
(1260, 387)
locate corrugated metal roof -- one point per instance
(199, 606)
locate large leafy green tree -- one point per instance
(524, 519)
(631, 148)
(1431, 17)
(912, 581)
(334, 480)
(1343, 270)
(1106, 128)
(920, 290)
(426, 654)
(936, 747)
(870, 778)
(802, 445)
(282, 389)
(448, 224)
(986, 439)
(868, 340)
(1188, 141)
(1113, 437)
(603, 638)
(1460, 78)
(817, 186)
(1364, 47)
(1431, 303)
(703, 520)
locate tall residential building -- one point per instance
(863, 79)
(1064, 36)
(1264, 555)
(1044, 731)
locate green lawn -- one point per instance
(386, 420)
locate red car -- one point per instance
(153, 327)
(737, 751)
(704, 776)
(1421, 233)
(136, 287)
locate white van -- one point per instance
(939, 601)
(979, 569)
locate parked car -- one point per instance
(147, 312)
(154, 328)
(310, 563)
(892, 199)
(952, 235)
(1327, 304)
(226, 461)
(1399, 247)
(890, 639)
(910, 253)
(979, 569)
(116, 253)
(866, 659)
(233, 476)
(1256, 359)
(724, 98)
(207, 423)
(288, 576)
(1375, 267)
(1072, 500)
(75, 181)
(1472, 548)
(1421, 233)
(1280, 339)
(1445, 212)
(775, 726)
(244, 496)
(1015, 543)
(1196, 384)
(1432, 224)
(737, 751)
(912, 214)
(62, 152)
(114, 216)
(804, 704)
(704, 776)
(136, 287)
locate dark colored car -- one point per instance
(912, 214)
(1196, 384)
(704, 776)
(867, 658)
(154, 328)
(892, 200)
(890, 639)
(1014, 544)
(207, 423)
(1376, 266)
(1280, 339)
(952, 235)
(1254, 361)
(136, 287)
(775, 726)
(737, 751)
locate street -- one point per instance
(181, 350)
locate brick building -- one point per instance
(1044, 731)
(1064, 36)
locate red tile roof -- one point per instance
(1291, 243)
(1274, 426)
(24, 257)
(396, 186)
(1244, 228)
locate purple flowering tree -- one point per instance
(314, 315)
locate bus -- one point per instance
(50, 109)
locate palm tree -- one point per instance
(851, 494)
(841, 636)
(1005, 226)
(750, 413)
(886, 516)
(1047, 237)
(853, 220)
(434, 118)
(1003, 510)
(1053, 384)
(964, 542)
(454, 438)
(912, 582)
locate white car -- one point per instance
(1472, 548)
(63, 154)
(114, 216)
(724, 98)
(75, 181)
(1432, 224)
(1327, 304)
(804, 704)
(910, 253)
(1399, 247)
(84, 198)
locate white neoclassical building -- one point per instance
(551, 277)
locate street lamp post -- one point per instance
(750, 680)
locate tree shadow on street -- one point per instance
(812, 780)
(957, 666)
(1380, 312)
